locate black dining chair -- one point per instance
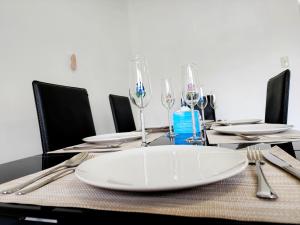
(278, 98)
(277, 103)
(64, 115)
(122, 113)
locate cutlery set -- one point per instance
(255, 156)
(61, 174)
(61, 170)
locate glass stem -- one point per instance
(170, 123)
(203, 124)
(193, 122)
(144, 143)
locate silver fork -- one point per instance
(72, 162)
(264, 189)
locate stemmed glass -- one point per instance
(140, 89)
(203, 101)
(202, 104)
(213, 101)
(191, 95)
(168, 100)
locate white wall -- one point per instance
(236, 43)
(37, 38)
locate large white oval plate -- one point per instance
(253, 129)
(161, 168)
(112, 138)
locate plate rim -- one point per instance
(136, 136)
(226, 129)
(213, 179)
(235, 122)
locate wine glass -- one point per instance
(168, 100)
(191, 95)
(203, 101)
(140, 89)
(213, 101)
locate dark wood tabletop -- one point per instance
(25, 214)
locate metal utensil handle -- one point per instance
(91, 147)
(45, 182)
(248, 138)
(293, 171)
(264, 190)
(25, 184)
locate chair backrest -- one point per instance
(64, 115)
(209, 111)
(278, 98)
(122, 113)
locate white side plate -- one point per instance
(112, 138)
(238, 122)
(253, 129)
(161, 168)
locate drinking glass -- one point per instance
(168, 100)
(213, 101)
(140, 89)
(202, 104)
(191, 95)
(203, 101)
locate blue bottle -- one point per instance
(182, 121)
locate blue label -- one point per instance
(183, 122)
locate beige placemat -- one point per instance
(233, 198)
(127, 145)
(218, 138)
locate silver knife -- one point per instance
(282, 164)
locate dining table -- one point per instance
(26, 213)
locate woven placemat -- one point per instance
(233, 198)
(127, 145)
